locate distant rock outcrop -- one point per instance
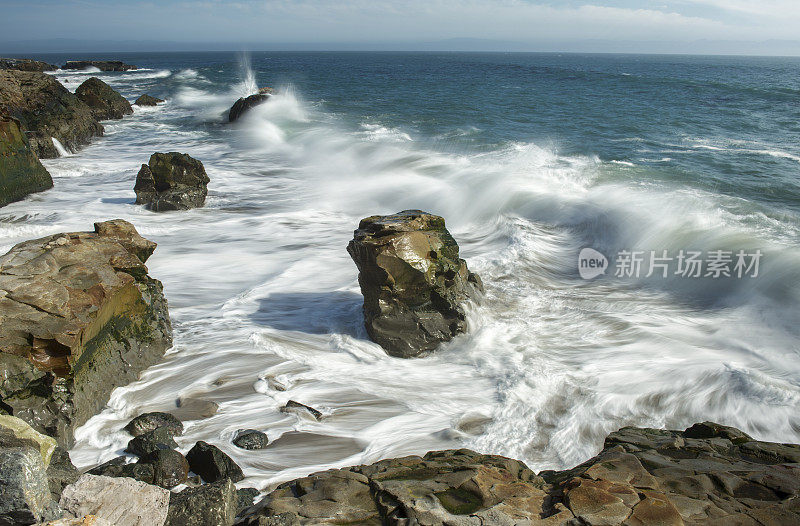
(147, 100)
(245, 104)
(171, 181)
(47, 110)
(413, 281)
(21, 173)
(102, 65)
(26, 64)
(105, 102)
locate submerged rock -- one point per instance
(45, 110)
(413, 281)
(105, 102)
(245, 104)
(79, 316)
(171, 181)
(121, 501)
(250, 439)
(147, 422)
(24, 493)
(102, 65)
(642, 477)
(147, 100)
(21, 173)
(26, 64)
(212, 464)
(208, 505)
(301, 409)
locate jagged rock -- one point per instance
(121, 501)
(412, 280)
(245, 104)
(212, 464)
(119, 467)
(169, 467)
(102, 65)
(26, 64)
(21, 173)
(61, 472)
(105, 102)
(208, 505)
(171, 181)
(642, 477)
(245, 498)
(79, 316)
(45, 109)
(147, 100)
(24, 494)
(147, 422)
(15, 432)
(146, 443)
(301, 409)
(250, 439)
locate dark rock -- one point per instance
(147, 100)
(105, 102)
(111, 468)
(60, 473)
(209, 505)
(212, 464)
(15, 432)
(412, 280)
(102, 65)
(245, 498)
(250, 439)
(245, 104)
(171, 181)
(79, 316)
(170, 468)
(147, 422)
(26, 64)
(24, 493)
(45, 110)
(120, 467)
(144, 444)
(21, 173)
(301, 409)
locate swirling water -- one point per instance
(529, 158)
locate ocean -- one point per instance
(530, 158)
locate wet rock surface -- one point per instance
(212, 464)
(147, 422)
(147, 100)
(245, 104)
(207, 505)
(102, 65)
(169, 467)
(79, 316)
(301, 409)
(146, 443)
(105, 102)
(642, 477)
(26, 64)
(171, 181)
(413, 281)
(21, 172)
(251, 439)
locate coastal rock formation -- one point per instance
(147, 100)
(171, 181)
(102, 65)
(15, 432)
(212, 464)
(24, 493)
(708, 474)
(21, 173)
(26, 64)
(79, 316)
(105, 102)
(121, 501)
(251, 439)
(45, 110)
(245, 104)
(147, 422)
(412, 280)
(208, 505)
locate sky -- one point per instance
(618, 25)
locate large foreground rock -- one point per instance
(121, 501)
(412, 280)
(26, 64)
(245, 104)
(171, 181)
(47, 110)
(24, 493)
(102, 65)
(79, 316)
(21, 173)
(207, 505)
(708, 474)
(105, 102)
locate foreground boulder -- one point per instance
(24, 493)
(208, 505)
(21, 173)
(147, 100)
(245, 104)
(26, 64)
(171, 181)
(102, 65)
(121, 501)
(105, 102)
(45, 109)
(642, 477)
(412, 280)
(79, 316)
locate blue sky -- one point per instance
(369, 21)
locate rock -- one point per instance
(79, 316)
(212, 464)
(105, 102)
(301, 409)
(15, 432)
(21, 173)
(121, 501)
(195, 408)
(147, 422)
(245, 498)
(102, 65)
(45, 110)
(169, 467)
(60, 473)
(412, 280)
(120, 467)
(245, 104)
(250, 439)
(208, 505)
(26, 64)
(171, 181)
(87, 520)
(24, 494)
(147, 100)
(144, 444)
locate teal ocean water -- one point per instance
(530, 158)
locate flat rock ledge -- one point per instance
(708, 474)
(79, 316)
(413, 281)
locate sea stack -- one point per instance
(171, 181)
(245, 104)
(413, 281)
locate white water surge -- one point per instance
(260, 287)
